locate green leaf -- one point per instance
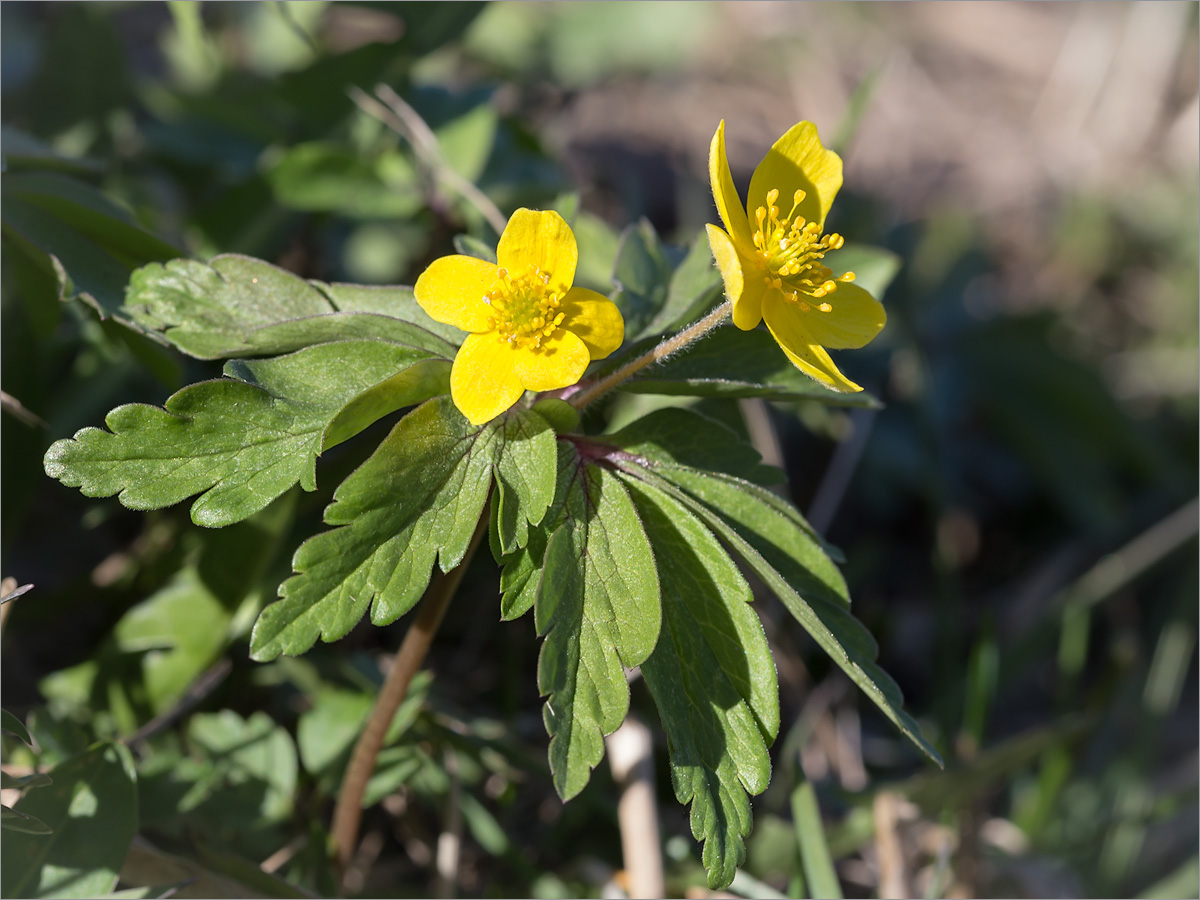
(525, 478)
(14, 726)
(559, 413)
(772, 526)
(873, 267)
(182, 629)
(417, 498)
(826, 619)
(395, 300)
(683, 437)
(693, 288)
(467, 245)
(597, 606)
(810, 835)
(642, 272)
(243, 440)
(730, 362)
(25, 782)
(23, 151)
(325, 176)
(92, 811)
(713, 680)
(90, 242)
(11, 820)
(239, 306)
(254, 754)
(519, 575)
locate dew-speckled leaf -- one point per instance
(242, 440)
(92, 812)
(418, 498)
(598, 608)
(828, 621)
(240, 306)
(712, 677)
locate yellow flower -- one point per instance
(771, 261)
(529, 329)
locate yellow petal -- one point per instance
(451, 290)
(797, 161)
(559, 362)
(541, 240)
(483, 382)
(729, 205)
(595, 320)
(855, 318)
(744, 285)
(787, 325)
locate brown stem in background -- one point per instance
(348, 812)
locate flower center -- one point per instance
(524, 309)
(790, 251)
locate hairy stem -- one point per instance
(693, 332)
(348, 812)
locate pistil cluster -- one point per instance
(524, 309)
(791, 249)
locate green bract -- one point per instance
(629, 547)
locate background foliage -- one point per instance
(1018, 521)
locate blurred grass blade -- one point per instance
(1169, 668)
(810, 835)
(746, 885)
(853, 115)
(1183, 882)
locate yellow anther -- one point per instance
(825, 307)
(790, 250)
(524, 308)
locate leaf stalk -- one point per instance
(347, 814)
(673, 344)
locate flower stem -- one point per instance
(348, 813)
(693, 332)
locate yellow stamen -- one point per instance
(790, 251)
(523, 308)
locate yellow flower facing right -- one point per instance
(771, 254)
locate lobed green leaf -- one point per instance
(416, 499)
(597, 605)
(827, 620)
(712, 677)
(239, 306)
(243, 440)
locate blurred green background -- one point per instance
(1019, 522)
